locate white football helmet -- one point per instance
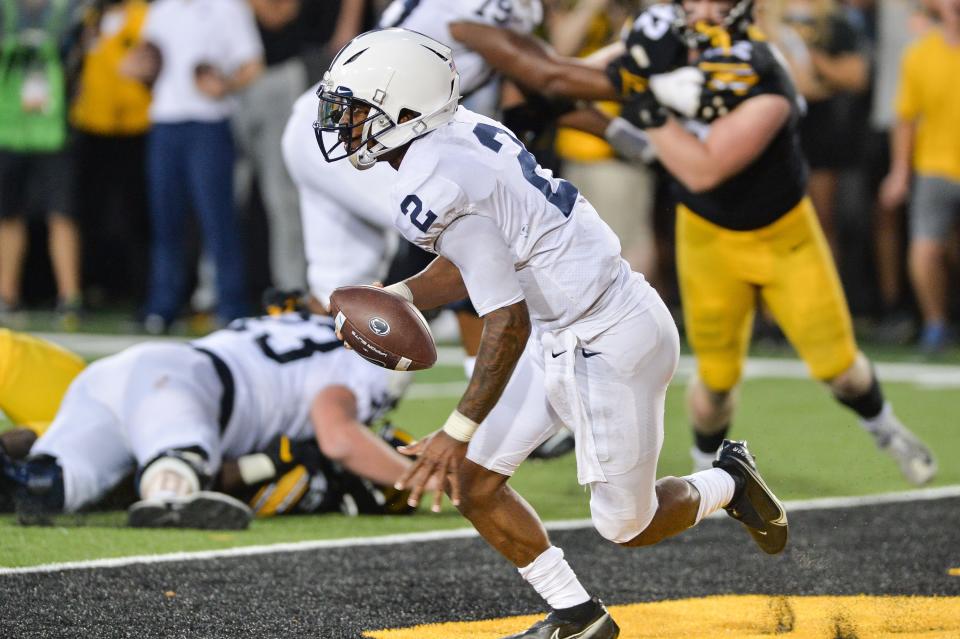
(377, 77)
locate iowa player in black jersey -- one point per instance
(721, 113)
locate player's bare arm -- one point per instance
(530, 63)
(505, 334)
(896, 186)
(734, 141)
(342, 438)
(438, 284)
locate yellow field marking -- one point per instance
(744, 617)
(954, 572)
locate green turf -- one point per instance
(806, 446)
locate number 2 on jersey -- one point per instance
(566, 194)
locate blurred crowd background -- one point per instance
(120, 192)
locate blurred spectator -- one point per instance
(891, 36)
(34, 166)
(828, 62)
(109, 115)
(201, 52)
(258, 126)
(926, 142)
(292, 32)
(622, 192)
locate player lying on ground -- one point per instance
(534, 257)
(744, 223)
(173, 412)
(37, 373)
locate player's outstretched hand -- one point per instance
(438, 460)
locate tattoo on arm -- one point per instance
(505, 333)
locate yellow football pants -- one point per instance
(34, 375)
(788, 265)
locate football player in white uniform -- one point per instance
(175, 411)
(347, 219)
(537, 261)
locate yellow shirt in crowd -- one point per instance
(930, 95)
(108, 103)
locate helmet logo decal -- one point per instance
(379, 326)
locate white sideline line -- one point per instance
(457, 533)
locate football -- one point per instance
(383, 328)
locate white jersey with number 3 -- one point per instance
(279, 364)
(471, 192)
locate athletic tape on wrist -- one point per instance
(256, 468)
(460, 427)
(402, 290)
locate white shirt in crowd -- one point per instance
(221, 33)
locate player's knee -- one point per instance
(175, 473)
(621, 515)
(40, 489)
(676, 500)
(855, 380)
(623, 529)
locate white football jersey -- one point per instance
(279, 364)
(566, 259)
(478, 81)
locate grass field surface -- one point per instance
(807, 446)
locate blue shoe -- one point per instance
(934, 339)
(39, 492)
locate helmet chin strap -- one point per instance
(366, 157)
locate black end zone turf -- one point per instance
(891, 549)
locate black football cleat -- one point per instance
(599, 626)
(753, 504)
(205, 510)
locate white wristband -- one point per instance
(460, 427)
(402, 290)
(256, 468)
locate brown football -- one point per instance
(383, 328)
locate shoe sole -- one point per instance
(204, 511)
(603, 628)
(772, 538)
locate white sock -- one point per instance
(553, 578)
(716, 488)
(468, 363)
(881, 422)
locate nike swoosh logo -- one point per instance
(761, 532)
(590, 353)
(556, 355)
